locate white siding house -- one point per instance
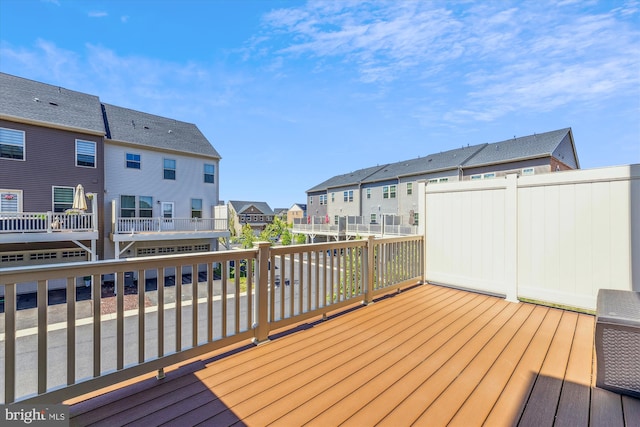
(161, 186)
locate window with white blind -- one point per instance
(10, 201)
(85, 153)
(11, 144)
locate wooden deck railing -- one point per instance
(181, 306)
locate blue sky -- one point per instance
(292, 93)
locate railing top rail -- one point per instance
(38, 272)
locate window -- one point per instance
(415, 218)
(133, 161)
(373, 218)
(127, 206)
(85, 153)
(169, 169)
(333, 197)
(368, 193)
(196, 208)
(409, 188)
(10, 200)
(323, 199)
(488, 175)
(310, 200)
(11, 144)
(146, 206)
(433, 181)
(62, 198)
(389, 192)
(346, 196)
(474, 177)
(443, 180)
(528, 171)
(209, 173)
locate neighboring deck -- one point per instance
(427, 356)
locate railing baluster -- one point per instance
(283, 274)
(250, 285)
(178, 297)
(223, 300)
(194, 305)
(209, 302)
(236, 297)
(300, 282)
(71, 331)
(97, 339)
(120, 320)
(160, 291)
(142, 282)
(292, 299)
(9, 342)
(42, 298)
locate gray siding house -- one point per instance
(390, 190)
(51, 140)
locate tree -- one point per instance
(285, 239)
(274, 231)
(247, 237)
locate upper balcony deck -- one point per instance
(25, 227)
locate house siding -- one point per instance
(149, 181)
(50, 162)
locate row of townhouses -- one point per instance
(150, 183)
(388, 192)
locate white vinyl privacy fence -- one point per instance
(556, 238)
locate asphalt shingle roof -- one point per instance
(136, 127)
(434, 162)
(240, 206)
(351, 178)
(525, 147)
(40, 102)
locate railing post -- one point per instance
(261, 325)
(369, 273)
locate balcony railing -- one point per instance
(164, 310)
(159, 225)
(354, 226)
(45, 222)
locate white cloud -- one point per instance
(500, 56)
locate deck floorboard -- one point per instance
(426, 356)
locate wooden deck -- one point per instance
(428, 356)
